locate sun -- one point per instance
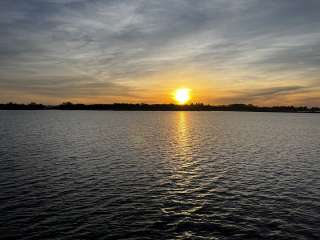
(182, 95)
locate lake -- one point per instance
(159, 175)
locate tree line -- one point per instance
(157, 107)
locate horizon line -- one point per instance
(159, 107)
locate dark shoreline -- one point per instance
(159, 107)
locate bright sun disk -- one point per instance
(182, 95)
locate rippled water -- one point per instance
(159, 175)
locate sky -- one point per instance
(104, 51)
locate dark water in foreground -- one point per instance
(159, 175)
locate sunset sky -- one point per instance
(103, 51)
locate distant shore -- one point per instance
(159, 107)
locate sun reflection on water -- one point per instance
(183, 197)
(184, 150)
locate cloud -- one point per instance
(285, 95)
(121, 43)
(271, 92)
(66, 87)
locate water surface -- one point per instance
(159, 175)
